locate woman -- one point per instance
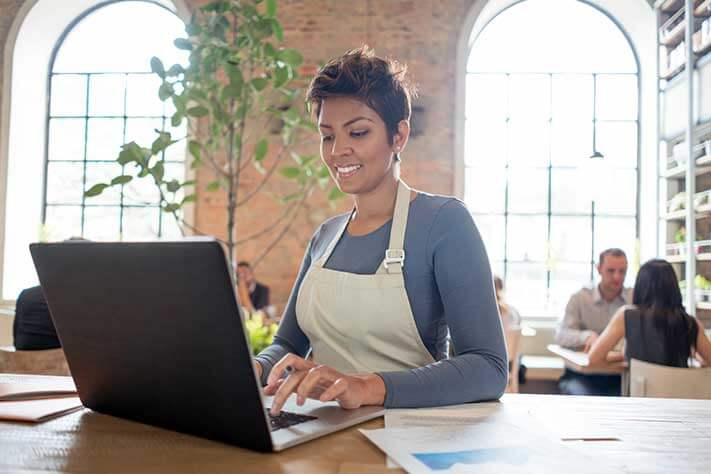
(656, 327)
(510, 317)
(377, 327)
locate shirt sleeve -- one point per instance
(479, 370)
(571, 333)
(289, 337)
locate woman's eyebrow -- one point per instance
(351, 121)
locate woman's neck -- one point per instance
(379, 203)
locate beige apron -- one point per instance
(363, 323)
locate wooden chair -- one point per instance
(660, 381)
(513, 345)
(43, 362)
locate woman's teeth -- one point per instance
(346, 171)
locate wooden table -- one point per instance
(656, 435)
(578, 361)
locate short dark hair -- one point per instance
(380, 83)
(613, 252)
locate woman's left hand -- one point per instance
(325, 383)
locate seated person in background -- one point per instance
(586, 316)
(258, 293)
(32, 328)
(656, 327)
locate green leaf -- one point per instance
(172, 186)
(123, 179)
(277, 29)
(96, 189)
(177, 119)
(270, 51)
(281, 76)
(259, 83)
(189, 198)
(290, 172)
(125, 157)
(323, 172)
(292, 57)
(158, 171)
(198, 111)
(261, 150)
(157, 67)
(335, 194)
(271, 8)
(214, 186)
(165, 91)
(231, 90)
(172, 207)
(175, 70)
(195, 149)
(182, 43)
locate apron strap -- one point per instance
(394, 259)
(332, 245)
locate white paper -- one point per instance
(487, 445)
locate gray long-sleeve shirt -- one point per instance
(588, 312)
(449, 285)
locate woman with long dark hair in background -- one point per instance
(656, 326)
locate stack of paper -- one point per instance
(35, 398)
(482, 438)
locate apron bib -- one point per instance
(363, 323)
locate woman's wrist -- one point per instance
(374, 388)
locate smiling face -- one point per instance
(355, 145)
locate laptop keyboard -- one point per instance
(286, 418)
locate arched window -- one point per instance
(549, 83)
(92, 92)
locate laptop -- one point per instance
(153, 333)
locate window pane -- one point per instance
(620, 195)
(106, 94)
(142, 131)
(527, 238)
(62, 222)
(66, 139)
(492, 229)
(530, 97)
(140, 223)
(65, 183)
(528, 190)
(142, 96)
(566, 279)
(485, 189)
(68, 95)
(103, 173)
(572, 98)
(169, 228)
(615, 232)
(105, 137)
(486, 96)
(565, 193)
(497, 269)
(101, 223)
(485, 142)
(529, 143)
(571, 238)
(617, 97)
(526, 285)
(140, 191)
(618, 142)
(571, 141)
(177, 151)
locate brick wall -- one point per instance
(421, 33)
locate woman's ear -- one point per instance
(400, 138)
